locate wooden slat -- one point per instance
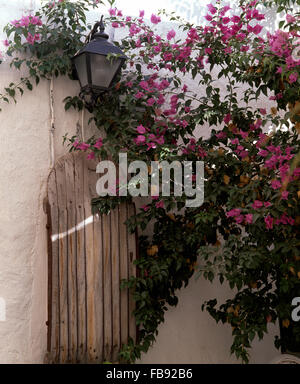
(81, 260)
(124, 274)
(63, 261)
(132, 253)
(72, 254)
(115, 252)
(107, 281)
(54, 283)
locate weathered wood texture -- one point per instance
(89, 317)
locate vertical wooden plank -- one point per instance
(124, 273)
(132, 253)
(107, 279)
(72, 257)
(81, 260)
(63, 261)
(92, 261)
(55, 307)
(98, 282)
(115, 252)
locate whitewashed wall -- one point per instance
(187, 336)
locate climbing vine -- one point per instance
(246, 232)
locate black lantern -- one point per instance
(98, 63)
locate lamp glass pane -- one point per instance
(103, 70)
(80, 64)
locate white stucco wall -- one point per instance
(187, 336)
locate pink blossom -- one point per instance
(225, 20)
(267, 204)
(269, 222)
(212, 9)
(99, 143)
(221, 135)
(140, 139)
(275, 184)
(208, 51)
(171, 34)
(139, 95)
(155, 19)
(290, 19)
(236, 19)
(141, 129)
(233, 212)
(145, 208)
(257, 204)
(6, 43)
(151, 101)
(279, 70)
(235, 141)
(263, 153)
(227, 118)
(160, 204)
(249, 218)
(228, 50)
(91, 156)
(208, 17)
(239, 219)
(293, 77)
(284, 195)
(263, 111)
(112, 12)
(142, 14)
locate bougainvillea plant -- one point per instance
(246, 233)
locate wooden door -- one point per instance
(89, 318)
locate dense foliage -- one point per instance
(247, 231)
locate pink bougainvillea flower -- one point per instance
(233, 212)
(290, 19)
(171, 34)
(293, 77)
(155, 19)
(228, 50)
(112, 12)
(239, 219)
(279, 70)
(227, 118)
(269, 222)
(275, 184)
(160, 204)
(208, 51)
(284, 195)
(236, 19)
(208, 17)
(263, 111)
(257, 204)
(225, 20)
(6, 43)
(249, 218)
(267, 204)
(151, 101)
(221, 135)
(141, 139)
(145, 208)
(139, 95)
(142, 13)
(141, 129)
(212, 9)
(91, 156)
(99, 143)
